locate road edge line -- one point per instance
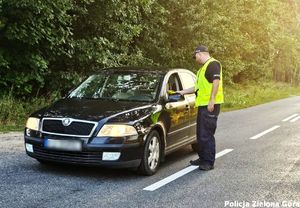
(290, 117)
(264, 132)
(180, 173)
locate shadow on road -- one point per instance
(181, 155)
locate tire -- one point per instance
(195, 147)
(151, 154)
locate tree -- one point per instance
(32, 35)
(48, 46)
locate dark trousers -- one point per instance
(206, 128)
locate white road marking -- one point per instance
(265, 132)
(222, 153)
(290, 117)
(295, 119)
(180, 173)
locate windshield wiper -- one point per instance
(85, 98)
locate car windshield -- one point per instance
(126, 86)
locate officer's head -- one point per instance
(201, 54)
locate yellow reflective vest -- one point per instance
(203, 87)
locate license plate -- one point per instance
(68, 145)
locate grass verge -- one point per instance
(13, 112)
(244, 96)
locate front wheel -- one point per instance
(151, 154)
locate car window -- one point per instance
(174, 83)
(127, 86)
(188, 80)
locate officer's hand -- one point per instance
(180, 92)
(210, 106)
(171, 92)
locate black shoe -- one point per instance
(206, 167)
(196, 162)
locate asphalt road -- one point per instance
(261, 171)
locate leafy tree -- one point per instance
(49, 46)
(32, 35)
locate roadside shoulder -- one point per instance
(11, 134)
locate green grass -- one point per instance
(243, 96)
(13, 112)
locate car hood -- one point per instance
(92, 110)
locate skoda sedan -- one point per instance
(118, 117)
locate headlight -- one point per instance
(33, 123)
(117, 130)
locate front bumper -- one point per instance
(91, 154)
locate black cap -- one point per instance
(200, 48)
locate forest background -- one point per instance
(49, 46)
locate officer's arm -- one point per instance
(187, 91)
(214, 90)
(215, 86)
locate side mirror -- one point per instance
(175, 97)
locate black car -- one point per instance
(118, 117)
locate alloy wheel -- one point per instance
(154, 151)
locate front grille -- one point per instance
(80, 128)
(66, 156)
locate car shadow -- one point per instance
(58, 169)
(84, 171)
(182, 155)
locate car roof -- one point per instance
(148, 69)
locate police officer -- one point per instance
(209, 96)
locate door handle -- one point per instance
(169, 106)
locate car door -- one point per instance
(188, 80)
(178, 113)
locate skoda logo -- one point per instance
(66, 121)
